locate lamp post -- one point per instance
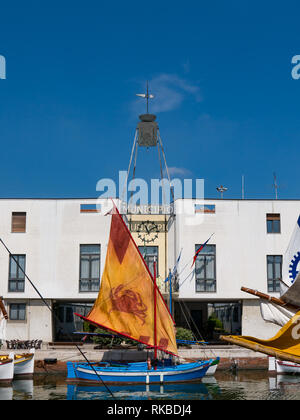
(221, 190)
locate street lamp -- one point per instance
(221, 190)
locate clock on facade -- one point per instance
(147, 231)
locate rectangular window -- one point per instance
(18, 222)
(205, 269)
(205, 208)
(90, 208)
(17, 312)
(273, 223)
(89, 268)
(274, 269)
(149, 253)
(16, 276)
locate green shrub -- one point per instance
(213, 325)
(105, 341)
(184, 334)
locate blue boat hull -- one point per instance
(137, 373)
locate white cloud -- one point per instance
(175, 171)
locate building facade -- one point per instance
(61, 245)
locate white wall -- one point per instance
(56, 228)
(242, 243)
(54, 231)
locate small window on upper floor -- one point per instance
(90, 208)
(205, 208)
(273, 223)
(18, 222)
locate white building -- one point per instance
(62, 243)
(249, 242)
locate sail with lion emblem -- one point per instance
(130, 304)
(125, 303)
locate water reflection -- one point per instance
(251, 385)
(19, 389)
(144, 392)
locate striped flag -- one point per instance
(200, 249)
(173, 272)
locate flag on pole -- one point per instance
(173, 272)
(291, 259)
(200, 249)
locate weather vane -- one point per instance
(146, 96)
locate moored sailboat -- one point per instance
(130, 304)
(6, 368)
(23, 363)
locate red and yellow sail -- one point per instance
(125, 303)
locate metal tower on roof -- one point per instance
(147, 135)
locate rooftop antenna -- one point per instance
(221, 190)
(147, 96)
(275, 186)
(243, 187)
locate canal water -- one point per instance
(244, 385)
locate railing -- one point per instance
(27, 344)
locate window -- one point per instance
(17, 311)
(273, 223)
(16, 276)
(90, 208)
(274, 269)
(89, 268)
(205, 208)
(18, 222)
(205, 269)
(149, 253)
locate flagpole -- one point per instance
(170, 291)
(155, 315)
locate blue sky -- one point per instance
(220, 71)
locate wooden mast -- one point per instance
(155, 316)
(272, 299)
(2, 308)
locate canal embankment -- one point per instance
(52, 358)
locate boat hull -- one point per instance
(213, 367)
(137, 373)
(24, 364)
(6, 368)
(283, 366)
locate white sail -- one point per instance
(275, 314)
(3, 323)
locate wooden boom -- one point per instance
(272, 299)
(2, 308)
(261, 349)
